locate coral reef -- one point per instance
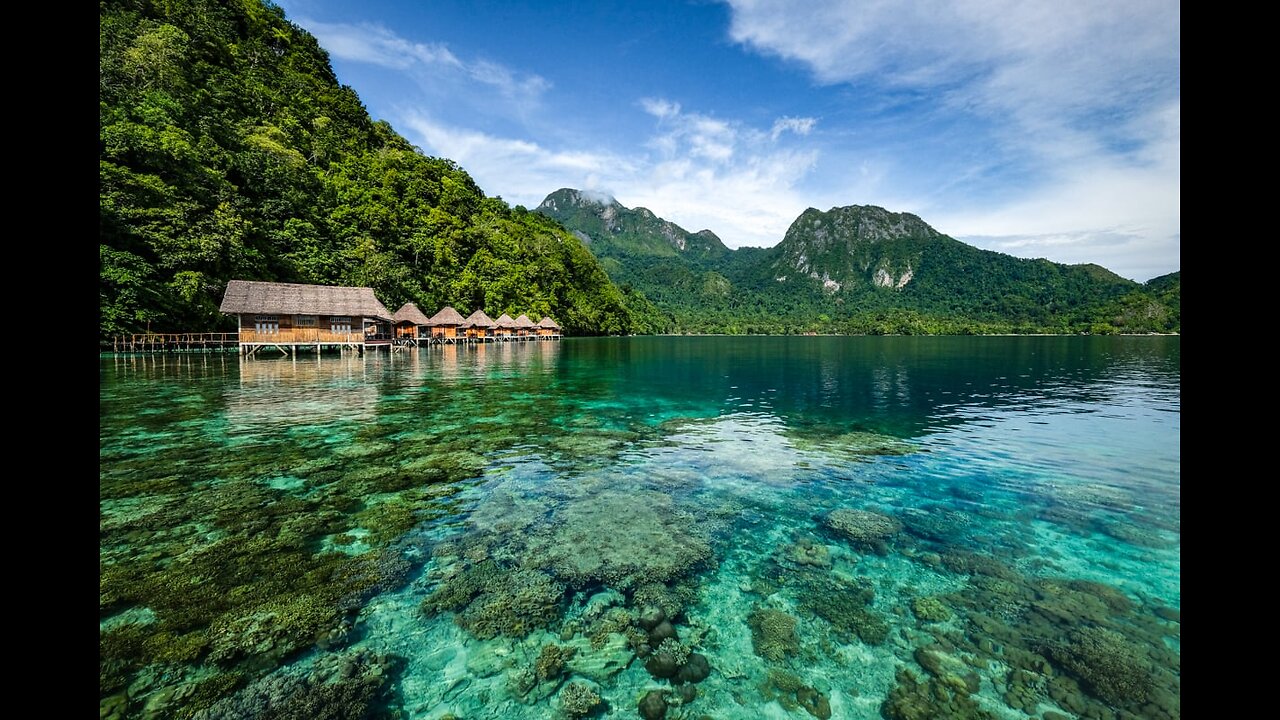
(671, 598)
(1112, 668)
(524, 601)
(793, 694)
(862, 528)
(807, 551)
(551, 661)
(667, 659)
(353, 685)
(930, 609)
(843, 604)
(578, 700)
(936, 522)
(773, 633)
(587, 542)
(490, 601)
(913, 699)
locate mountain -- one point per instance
(855, 244)
(614, 230)
(228, 149)
(859, 268)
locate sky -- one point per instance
(1037, 128)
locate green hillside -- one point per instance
(857, 269)
(228, 149)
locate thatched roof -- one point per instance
(504, 321)
(250, 296)
(447, 316)
(547, 322)
(524, 322)
(409, 313)
(479, 319)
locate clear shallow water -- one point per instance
(843, 527)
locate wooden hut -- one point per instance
(288, 315)
(548, 328)
(410, 322)
(445, 324)
(479, 326)
(524, 326)
(505, 326)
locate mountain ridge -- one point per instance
(863, 260)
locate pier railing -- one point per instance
(301, 335)
(156, 342)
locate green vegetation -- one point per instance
(857, 270)
(229, 150)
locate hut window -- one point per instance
(305, 320)
(267, 324)
(340, 324)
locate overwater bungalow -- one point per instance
(288, 316)
(548, 328)
(524, 326)
(506, 327)
(410, 323)
(479, 326)
(445, 324)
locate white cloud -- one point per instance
(701, 172)
(599, 197)
(797, 125)
(1082, 96)
(522, 172)
(660, 108)
(1122, 213)
(432, 62)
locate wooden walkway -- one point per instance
(152, 343)
(174, 342)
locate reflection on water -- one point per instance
(749, 527)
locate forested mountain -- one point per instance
(858, 269)
(228, 149)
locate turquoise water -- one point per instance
(646, 527)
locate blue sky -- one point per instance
(1037, 128)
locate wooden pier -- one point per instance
(173, 342)
(288, 343)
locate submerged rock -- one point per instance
(599, 663)
(814, 702)
(667, 659)
(651, 616)
(662, 631)
(695, 669)
(653, 706)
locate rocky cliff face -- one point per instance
(853, 244)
